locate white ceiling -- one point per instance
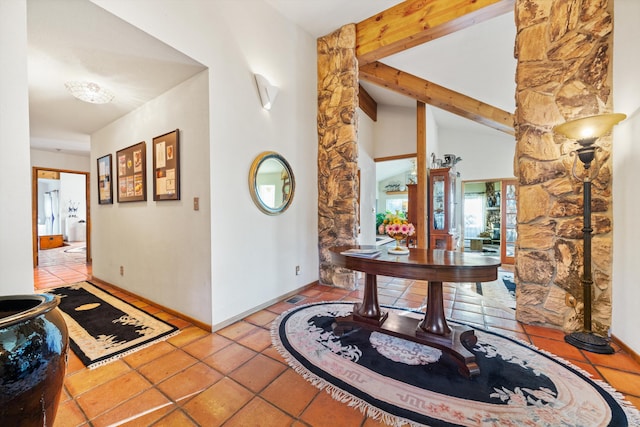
(77, 40)
(477, 62)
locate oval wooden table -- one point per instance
(433, 265)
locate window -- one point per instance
(473, 214)
(399, 205)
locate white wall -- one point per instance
(367, 179)
(626, 174)
(395, 131)
(55, 160)
(433, 135)
(486, 154)
(253, 256)
(163, 246)
(16, 268)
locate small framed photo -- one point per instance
(132, 173)
(166, 166)
(105, 187)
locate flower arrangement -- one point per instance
(397, 226)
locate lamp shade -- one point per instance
(589, 127)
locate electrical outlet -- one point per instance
(122, 270)
(298, 270)
(196, 203)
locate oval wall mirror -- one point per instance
(271, 183)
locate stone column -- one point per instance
(563, 48)
(337, 150)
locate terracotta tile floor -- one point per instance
(234, 377)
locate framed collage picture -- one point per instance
(166, 166)
(132, 173)
(105, 189)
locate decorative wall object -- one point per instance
(132, 173)
(271, 183)
(166, 166)
(105, 187)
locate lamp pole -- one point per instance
(587, 279)
(586, 339)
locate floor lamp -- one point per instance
(586, 132)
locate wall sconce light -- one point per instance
(267, 91)
(586, 132)
(89, 92)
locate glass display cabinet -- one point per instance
(442, 230)
(509, 220)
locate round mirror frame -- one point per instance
(253, 181)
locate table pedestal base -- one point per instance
(408, 328)
(359, 315)
(433, 266)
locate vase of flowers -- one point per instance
(397, 227)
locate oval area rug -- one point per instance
(402, 382)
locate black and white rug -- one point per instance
(103, 328)
(404, 383)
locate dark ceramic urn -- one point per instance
(33, 355)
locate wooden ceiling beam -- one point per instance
(414, 22)
(367, 103)
(438, 96)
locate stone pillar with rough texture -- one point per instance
(337, 150)
(564, 50)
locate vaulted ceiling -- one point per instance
(456, 55)
(476, 62)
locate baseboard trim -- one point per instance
(269, 303)
(182, 316)
(635, 356)
(198, 323)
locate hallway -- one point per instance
(59, 266)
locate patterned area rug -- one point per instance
(103, 328)
(402, 383)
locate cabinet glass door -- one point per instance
(438, 203)
(509, 220)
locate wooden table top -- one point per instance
(421, 264)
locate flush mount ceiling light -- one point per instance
(267, 92)
(89, 92)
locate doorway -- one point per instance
(394, 176)
(60, 212)
(489, 213)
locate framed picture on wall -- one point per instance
(132, 173)
(166, 166)
(105, 189)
